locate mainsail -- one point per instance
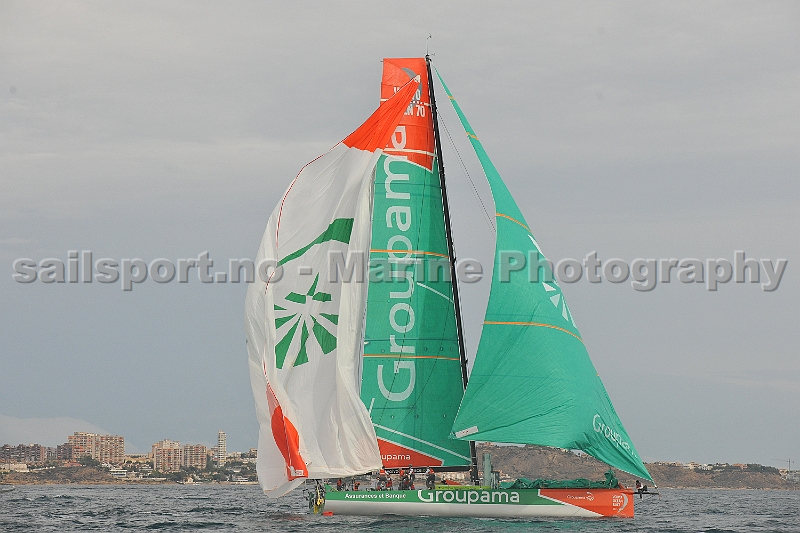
(532, 380)
(304, 331)
(411, 379)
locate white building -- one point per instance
(222, 451)
(118, 473)
(14, 467)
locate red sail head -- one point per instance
(413, 137)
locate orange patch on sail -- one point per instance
(379, 127)
(286, 438)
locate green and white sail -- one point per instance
(532, 380)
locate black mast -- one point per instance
(462, 351)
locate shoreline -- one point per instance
(530, 462)
(232, 484)
(552, 463)
(18, 483)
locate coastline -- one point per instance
(513, 462)
(232, 484)
(27, 479)
(119, 483)
(87, 475)
(553, 463)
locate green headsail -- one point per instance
(532, 381)
(411, 380)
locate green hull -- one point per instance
(484, 502)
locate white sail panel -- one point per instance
(304, 332)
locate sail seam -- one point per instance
(513, 220)
(434, 291)
(397, 356)
(407, 252)
(426, 104)
(409, 150)
(539, 324)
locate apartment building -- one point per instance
(195, 455)
(104, 448)
(23, 453)
(167, 456)
(222, 448)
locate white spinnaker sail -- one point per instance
(304, 332)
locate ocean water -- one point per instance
(243, 508)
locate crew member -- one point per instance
(339, 484)
(411, 477)
(473, 475)
(430, 481)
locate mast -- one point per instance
(462, 351)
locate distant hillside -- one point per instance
(61, 475)
(551, 463)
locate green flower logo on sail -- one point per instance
(304, 324)
(294, 315)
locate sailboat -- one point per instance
(356, 345)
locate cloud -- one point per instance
(45, 431)
(15, 240)
(785, 385)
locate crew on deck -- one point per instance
(473, 475)
(430, 481)
(403, 479)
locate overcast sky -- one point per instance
(165, 129)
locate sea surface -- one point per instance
(244, 508)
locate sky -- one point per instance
(167, 129)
